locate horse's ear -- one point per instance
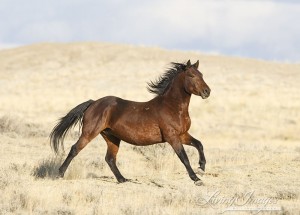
(196, 65)
(188, 64)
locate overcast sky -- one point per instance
(258, 29)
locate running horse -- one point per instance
(165, 118)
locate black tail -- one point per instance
(59, 132)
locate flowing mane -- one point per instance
(160, 85)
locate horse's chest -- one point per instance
(184, 122)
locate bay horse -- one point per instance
(165, 118)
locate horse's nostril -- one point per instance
(206, 92)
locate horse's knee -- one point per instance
(74, 151)
(201, 146)
(198, 144)
(109, 159)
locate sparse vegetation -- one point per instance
(249, 128)
(48, 168)
(15, 126)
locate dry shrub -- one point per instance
(18, 201)
(47, 168)
(286, 195)
(17, 126)
(157, 155)
(153, 151)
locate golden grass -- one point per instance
(249, 128)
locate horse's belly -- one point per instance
(138, 135)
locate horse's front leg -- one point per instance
(198, 145)
(187, 139)
(179, 150)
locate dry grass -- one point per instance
(249, 127)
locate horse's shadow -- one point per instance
(112, 179)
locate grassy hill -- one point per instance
(249, 127)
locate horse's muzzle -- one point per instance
(205, 93)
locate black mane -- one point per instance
(159, 86)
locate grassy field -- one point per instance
(249, 127)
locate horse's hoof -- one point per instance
(199, 183)
(200, 172)
(122, 180)
(60, 175)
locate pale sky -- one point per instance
(266, 29)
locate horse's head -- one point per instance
(194, 83)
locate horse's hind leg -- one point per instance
(89, 132)
(113, 144)
(75, 149)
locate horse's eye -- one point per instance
(191, 75)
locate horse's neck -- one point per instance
(177, 96)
